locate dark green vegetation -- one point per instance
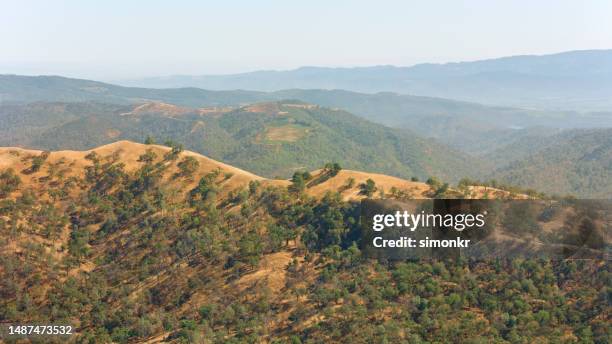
(16, 88)
(473, 128)
(21, 125)
(126, 255)
(577, 162)
(271, 139)
(579, 80)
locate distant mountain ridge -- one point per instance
(27, 89)
(576, 80)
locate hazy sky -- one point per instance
(114, 39)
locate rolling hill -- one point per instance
(473, 128)
(577, 162)
(271, 139)
(465, 126)
(222, 125)
(133, 243)
(129, 154)
(17, 88)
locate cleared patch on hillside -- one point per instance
(263, 108)
(272, 271)
(302, 106)
(212, 110)
(286, 133)
(158, 108)
(113, 133)
(199, 125)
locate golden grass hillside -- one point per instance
(127, 246)
(73, 164)
(347, 182)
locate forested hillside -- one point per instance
(17, 88)
(134, 243)
(272, 139)
(577, 162)
(471, 127)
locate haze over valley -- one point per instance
(575, 80)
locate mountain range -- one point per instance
(574, 80)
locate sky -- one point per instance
(122, 39)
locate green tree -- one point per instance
(332, 168)
(250, 248)
(368, 188)
(9, 182)
(38, 161)
(188, 166)
(298, 184)
(434, 182)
